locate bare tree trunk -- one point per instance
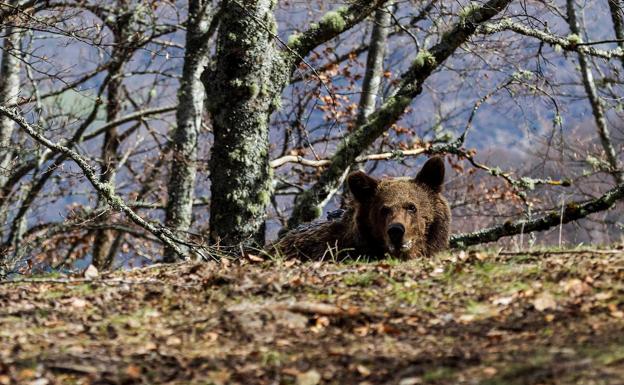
(615, 6)
(374, 64)
(104, 238)
(372, 78)
(9, 89)
(241, 94)
(188, 117)
(595, 101)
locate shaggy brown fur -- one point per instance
(404, 218)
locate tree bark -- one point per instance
(245, 86)
(104, 239)
(241, 93)
(188, 117)
(374, 64)
(9, 89)
(615, 7)
(594, 100)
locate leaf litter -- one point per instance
(465, 318)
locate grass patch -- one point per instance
(363, 279)
(438, 374)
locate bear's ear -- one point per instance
(361, 185)
(432, 174)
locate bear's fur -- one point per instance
(403, 218)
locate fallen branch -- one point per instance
(556, 252)
(571, 212)
(69, 281)
(321, 309)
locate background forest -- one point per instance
(135, 131)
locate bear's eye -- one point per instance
(385, 211)
(411, 208)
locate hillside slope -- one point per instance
(465, 318)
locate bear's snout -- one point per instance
(396, 231)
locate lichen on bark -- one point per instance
(188, 118)
(241, 92)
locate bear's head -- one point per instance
(403, 217)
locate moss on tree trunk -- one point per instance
(240, 97)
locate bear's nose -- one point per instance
(396, 232)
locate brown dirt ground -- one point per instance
(463, 318)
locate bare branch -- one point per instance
(332, 24)
(572, 211)
(567, 44)
(362, 137)
(396, 154)
(105, 190)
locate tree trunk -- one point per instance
(188, 117)
(9, 88)
(595, 101)
(371, 82)
(104, 238)
(103, 253)
(241, 92)
(615, 6)
(374, 64)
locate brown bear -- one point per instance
(402, 218)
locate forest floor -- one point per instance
(463, 318)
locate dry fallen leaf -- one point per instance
(133, 371)
(575, 287)
(255, 258)
(173, 341)
(26, 374)
(490, 371)
(617, 314)
(411, 381)
(220, 377)
(39, 381)
(544, 301)
(502, 301)
(311, 377)
(361, 330)
(91, 272)
(363, 370)
(78, 303)
(467, 318)
(603, 296)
